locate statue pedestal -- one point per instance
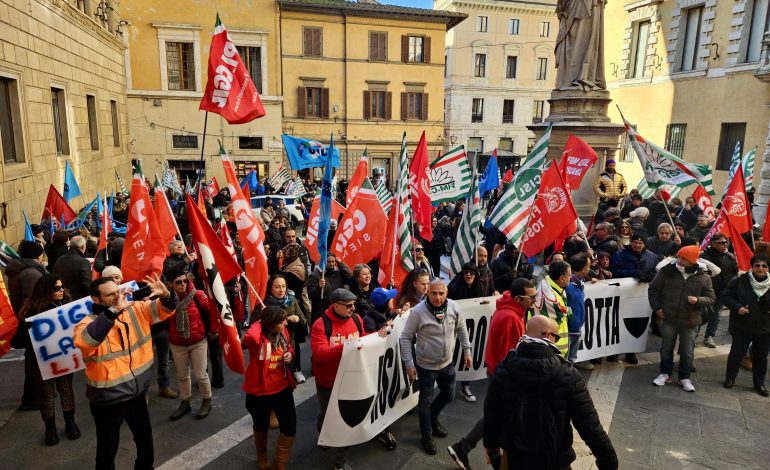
(584, 114)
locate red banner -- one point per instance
(419, 187)
(577, 158)
(360, 236)
(742, 251)
(143, 252)
(311, 238)
(736, 205)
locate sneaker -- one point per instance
(299, 377)
(438, 429)
(387, 439)
(709, 342)
(428, 445)
(459, 455)
(687, 385)
(662, 380)
(465, 391)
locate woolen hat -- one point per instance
(636, 237)
(30, 250)
(690, 253)
(342, 295)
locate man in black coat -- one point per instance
(717, 253)
(75, 269)
(533, 396)
(503, 272)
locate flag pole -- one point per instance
(176, 226)
(203, 146)
(529, 218)
(395, 242)
(253, 290)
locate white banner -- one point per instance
(477, 313)
(51, 334)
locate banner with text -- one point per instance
(477, 313)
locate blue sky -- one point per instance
(410, 3)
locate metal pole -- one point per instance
(203, 146)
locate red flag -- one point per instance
(311, 238)
(553, 212)
(362, 171)
(230, 92)
(56, 206)
(742, 251)
(8, 320)
(703, 199)
(387, 266)
(577, 158)
(735, 203)
(106, 226)
(766, 228)
(166, 221)
(360, 235)
(219, 267)
(508, 177)
(250, 233)
(419, 187)
(143, 252)
(212, 189)
(717, 227)
(202, 202)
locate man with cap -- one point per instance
(610, 185)
(634, 261)
(679, 292)
(634, 202)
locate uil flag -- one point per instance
(71, 188)
(736, 204)
(8, 321)
(143, 252)
(360, 235)
(358, 178)
(306, 153)
(311, 239)
(229, 89)
(553, 212)
(703, 200)
(577, 158)
(164, 216)
(28, 235)
(419, 188)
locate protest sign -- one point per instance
(51, 335)
(478, 314)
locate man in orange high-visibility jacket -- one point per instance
(116, 343)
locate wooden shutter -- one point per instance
(404, 48)
(367, 104)
(388, 100)
(324, 102)
(319, 45)
(424, 110)
(301, 101)
(404, 106)
(372, 46)
(426, 50)
(307, 41)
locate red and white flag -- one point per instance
(212, 189)
(230, 92)
(311, 238)
(106, 227)
(703, 200)
(736, 204)
(577, 158)
(360, 235)
(362, 170)
(419, 188)
(144, 251)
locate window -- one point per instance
(475, 144)
(732, 133)
(243, 168)
(60, 128)
(675, 134)
(180, 64)
(757, 28)
(378, 45)
(542, 68)
(477, 112)
(482, 23)
(115, 123)
(181, 141)
(691, 43)
(505, 143)
(252, 59)
(312, 41)
(508, 106)
(10, 121)
(480, 65)
(639, 49)
(511, 63)
(415, 49)
(414, 106)
(377, 104)
(513, 26)
(545, 29)
(537, 111)
(626, 149)
(93, 125)
(313, 102)
(249, 143)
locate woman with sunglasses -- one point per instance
(48, 294)
(420, 260)
(465, 284)
(748, 299)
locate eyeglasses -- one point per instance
(58, 288)
(528, 297)
(554, 336)
(347, 306)
(760, 265)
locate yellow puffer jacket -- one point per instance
(610, 186)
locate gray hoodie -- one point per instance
(435, 341)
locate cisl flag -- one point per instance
(553, 212)
(143, 252)
(736, 205)
(230, 92)
(360, 235)
(577, 158)
(311, 238)
(703, 200)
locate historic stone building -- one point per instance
(62, 98)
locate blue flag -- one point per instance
(71, 188)
(325, 210)
(28, 235)
(490, 179)
(251, 181)
(305, 153)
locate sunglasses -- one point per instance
(724, 242)
(347, 306)
(180, 282)
(420, 250)
(530, 297)
(760, 265)
(58, 288)
(553, 336)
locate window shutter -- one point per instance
(320, 43)
(384, 46)
(372, 45)
(404, 105)
(301, 101)
(426, 50)
(388, 100)
(404, 48)
(367, 104)
(324, 102)
(307, 42)
(424, 111)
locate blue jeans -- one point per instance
(428, 408)
(713, 324)
(160, 340)
(574, 345)
(669, 333)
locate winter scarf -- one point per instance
(759, 287)
(182, 317)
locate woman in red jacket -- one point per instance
(269, 384)
(188, 342)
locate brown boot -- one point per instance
(260, 442)
(205, 408)
(273, 420)
(282, 448)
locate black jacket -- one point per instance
(728, 265)
(669, 291)
(75, 272)
(22, 274)
(340, 278)
(532, 367)
(503, 273)
(740, 294)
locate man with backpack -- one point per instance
(534, 394)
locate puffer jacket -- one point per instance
(22, 274)
(198, 328)
(608, 245)
(75, 271)
(536, 367)
(669, 291)
(610, 186)
(740, 294)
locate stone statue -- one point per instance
(580, 45)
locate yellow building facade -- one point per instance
(366, 73)
(62, 98)
(167, 71)
(686, 74)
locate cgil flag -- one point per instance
(56, 207)
(419, 189)
(736, 204)
(143, 252)
(450, 176)
(743, 253)
(306, 153)
(230, 92)
(360, 237)
(397, 260)
(463, 249)
(703, 200)
(766, 227)
(279, 178)
(358, 178)
(71, 188)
